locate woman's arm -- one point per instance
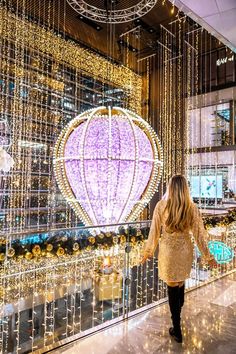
(200, 234)
(154, 233)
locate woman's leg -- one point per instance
(181, 290)
(181, 294)
(175, 309)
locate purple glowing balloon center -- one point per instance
(108, 164)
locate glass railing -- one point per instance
(61, 285)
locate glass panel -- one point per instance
(212, 178)
(210, 126)
(68, 283)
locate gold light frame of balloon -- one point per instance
(136, 123)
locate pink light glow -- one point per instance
(108, 166)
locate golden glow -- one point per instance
(32, 64)
(35, 37)
(107, 262)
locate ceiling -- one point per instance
(106, 39)
(217, 16)
(103, 38)
(58, 14)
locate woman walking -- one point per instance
(175, 218)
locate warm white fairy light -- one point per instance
(69, 277)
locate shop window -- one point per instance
(210, 126)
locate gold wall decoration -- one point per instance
(31, 35)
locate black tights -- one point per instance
(176, 302)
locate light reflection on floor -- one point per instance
(208, 321)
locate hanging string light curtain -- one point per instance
(39, 70)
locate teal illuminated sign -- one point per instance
(222, 253)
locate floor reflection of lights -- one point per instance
(208, 322)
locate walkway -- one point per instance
(209, 326)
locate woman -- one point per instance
(176, 216)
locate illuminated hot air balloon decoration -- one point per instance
(108, 164)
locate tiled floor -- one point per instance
(208, 321)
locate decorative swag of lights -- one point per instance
(108, 163)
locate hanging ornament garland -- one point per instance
(64, 244)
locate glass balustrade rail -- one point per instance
(59, 285)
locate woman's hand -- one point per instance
(145, 257)
(212, 263)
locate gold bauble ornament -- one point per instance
(28, 256)
(115, 239)
(76, 253)
(75, 246)
(92, 240)
(60, 251)
(11, 252)
(49, 247)
(2, 290)
(36, 250)
(2, 256)
(105, 246)
(122, 239)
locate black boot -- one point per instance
(181, 295)
(175, 308)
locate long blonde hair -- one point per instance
(179, 205)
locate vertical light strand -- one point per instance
(23, 162)
(171, 110)
(47, 124)
(16, 132)
(178, 163)
(189, 132)
(165, 116)
(93, 304)
(73, 295)
(160, 102)
(147, 91)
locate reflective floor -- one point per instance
(208, 322)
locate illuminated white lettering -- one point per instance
(224, 60)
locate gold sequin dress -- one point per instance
(175, 250)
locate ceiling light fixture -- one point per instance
(110, 14)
